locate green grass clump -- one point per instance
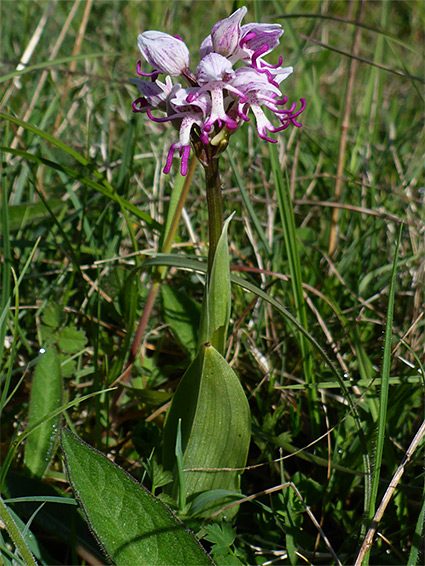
(330, 225)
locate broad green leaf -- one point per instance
(217, 298)
(46, 396)
(182, 315)
(132, 525)
(216, 429)
(71, 340)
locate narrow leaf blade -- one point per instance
(216, 307)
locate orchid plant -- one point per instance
(207, 433)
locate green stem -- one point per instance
(215, 208)
(16, 535)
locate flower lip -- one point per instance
(154, 94)
(165, 53)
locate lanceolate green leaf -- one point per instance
(216, 306)
(46, 396)
(132, 525)
(216, 429)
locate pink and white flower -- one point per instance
(219, 96)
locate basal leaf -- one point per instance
(132, 525)
(216, 430)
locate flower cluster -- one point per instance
(215, 100)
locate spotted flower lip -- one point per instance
(231, 80)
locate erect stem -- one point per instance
(215, 208)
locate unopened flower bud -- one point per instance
(226, 33)
(165, 53)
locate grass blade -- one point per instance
(16, 535)
(383, 398)
(291, 244)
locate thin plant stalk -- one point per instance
(215, 208)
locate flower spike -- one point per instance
(219, 96)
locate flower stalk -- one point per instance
(215, 208)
